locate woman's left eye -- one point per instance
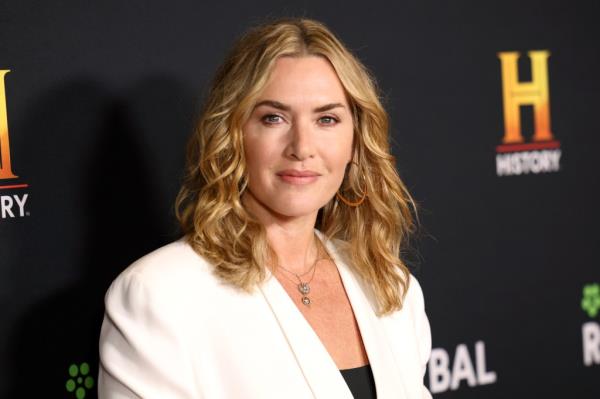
(328, 120)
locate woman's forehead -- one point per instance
(303, 80)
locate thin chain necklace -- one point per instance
(304, 287)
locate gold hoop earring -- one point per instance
(353, 203)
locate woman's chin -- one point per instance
(286, 206)
(295, 213)
(295, 208)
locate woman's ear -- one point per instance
(352, 150)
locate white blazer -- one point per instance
(173, 330)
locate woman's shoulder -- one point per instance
(415, 291)
(175, 258)
(413, 303)
(173, 269)
(414, 299)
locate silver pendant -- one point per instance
(306, 300)
(304, 288)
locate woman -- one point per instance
(287, 282)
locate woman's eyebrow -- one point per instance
(284, 107)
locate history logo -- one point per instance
(12, 198)
(541, 153)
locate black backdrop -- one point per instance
(100, 100)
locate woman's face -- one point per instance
(298, 139)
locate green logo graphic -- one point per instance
(590, 302)
(80, 381)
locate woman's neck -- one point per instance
(297, 250)
(291, 237)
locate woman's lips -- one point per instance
(298, 177)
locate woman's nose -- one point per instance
(301, 145)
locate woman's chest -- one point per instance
(266, 342)
(329, 313)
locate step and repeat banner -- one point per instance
(495, 110)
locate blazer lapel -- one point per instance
(386, 370)
(318, 367)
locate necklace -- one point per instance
(304, 286)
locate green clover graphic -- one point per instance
(80, 380)
(590, 302)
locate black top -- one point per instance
(360, 381)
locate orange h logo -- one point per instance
(516, 94)
(5, 167)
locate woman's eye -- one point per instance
(271, 119)
(328, 120)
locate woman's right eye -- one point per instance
(271, 119)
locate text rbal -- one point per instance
(442, 378)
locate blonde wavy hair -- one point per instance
(209, 206)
